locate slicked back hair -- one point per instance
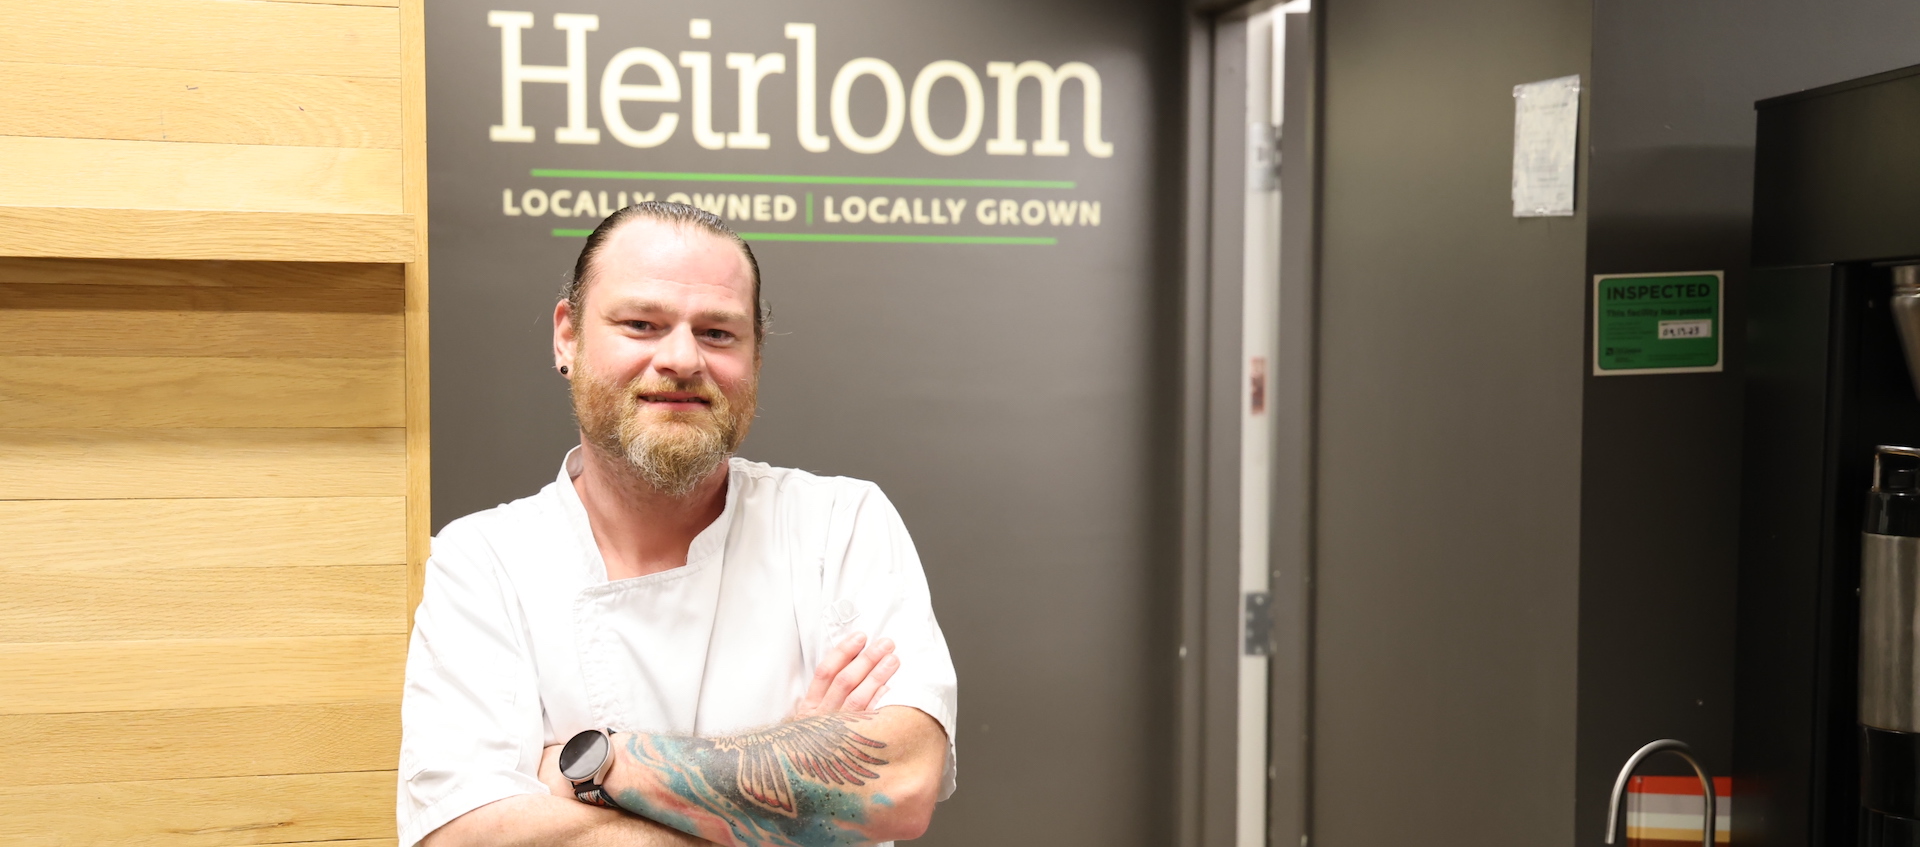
(679, 214)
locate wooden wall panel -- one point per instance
(50, 392)
(109, 174)
(165, 104)
(214, 35)
(202, 812)
(354, 842)
(249, 302)
(213, 400)
(351, 842)
(128, 676)
(117, 464)
(280, 276)
(79, 536)
(131, 233)
(65, 320)
(190, 743)
(118, 605)
(387, 3)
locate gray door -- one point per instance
(1010, 378)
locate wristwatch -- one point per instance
(585, 762)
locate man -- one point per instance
(669, 645)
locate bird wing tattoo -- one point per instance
(823, 748)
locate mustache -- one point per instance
(704, 389)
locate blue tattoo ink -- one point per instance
(707, 779)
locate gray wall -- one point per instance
(1671, 189)
(1449, 434)
(1017, 403)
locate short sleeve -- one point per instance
(471, 728)
(876, 585)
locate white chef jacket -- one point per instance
(520, 641)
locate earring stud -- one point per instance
(563, 370)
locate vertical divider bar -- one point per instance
(1225, 400)
(1190, 761)
(413, 93)
(1295, 409)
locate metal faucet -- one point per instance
(1617, 810)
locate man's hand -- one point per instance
(849, 679)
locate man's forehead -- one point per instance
(650, 249)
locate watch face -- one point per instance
(583, 754)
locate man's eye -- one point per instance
(641, 326)
(718, 335)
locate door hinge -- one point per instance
(1259, 624)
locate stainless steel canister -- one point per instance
(1906, 316)
(1890, 594)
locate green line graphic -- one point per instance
(801, 179)
(864, 238)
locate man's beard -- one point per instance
(671, 451)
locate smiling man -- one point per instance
(669, 645)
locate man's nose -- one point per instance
(678, 355)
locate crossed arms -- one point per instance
(833, 775)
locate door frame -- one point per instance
(1211, 606)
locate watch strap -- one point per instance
(595, 794)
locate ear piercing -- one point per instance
(563, 370)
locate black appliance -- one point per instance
(1829, 382)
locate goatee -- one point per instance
(671, 451)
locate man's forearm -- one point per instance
(544, 820)
(833, 780)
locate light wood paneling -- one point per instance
(202, 812)
(250, 602)
(102, 320)
(117, 676)
(182, 234)
(217, 35)
(108, 174)
(164, 104)
(204, 205)
(190, 743)
(38, 464)
(79, 536)
(63, 392)
(120, 299)
(204, 274)
(351, 842)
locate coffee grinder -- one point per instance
(1827, 727)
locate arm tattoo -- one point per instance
(787, 785)
(822, 748)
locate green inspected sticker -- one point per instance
(1657, 323)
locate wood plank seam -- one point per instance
(202, 273)
(96, 233)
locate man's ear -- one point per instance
(565, 341)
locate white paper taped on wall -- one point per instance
(1546, 131)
